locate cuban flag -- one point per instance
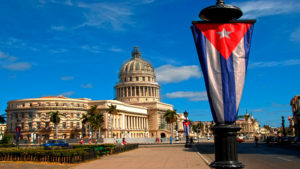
(186, 126)
(223, 50)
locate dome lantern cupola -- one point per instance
(136, 53)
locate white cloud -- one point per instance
(19, 66)
(59, 50)
(295, 36)
(115, 49)
(191, 96)
(254, 9)
(291, 62)
(67, 94)
(116, 15)
(58, 28)
(10, 63)
(171, 74)
(258, 110)
(92, 49)
(67, 78)
(87, 86)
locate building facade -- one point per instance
(140, 111)
(295, 103)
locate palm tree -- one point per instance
(54, 118)
(112, 110)
(198, 126)
(171, 116)
(94, 118)
(2, 118)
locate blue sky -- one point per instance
(76, 48)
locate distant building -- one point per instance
(250, 126)
(295, 103)
(137, 100)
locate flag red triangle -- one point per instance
(224, 37)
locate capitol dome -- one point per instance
(136, 64)
(137, 81)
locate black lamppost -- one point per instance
(187, 143)
(220, 40)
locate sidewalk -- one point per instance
(150, 157)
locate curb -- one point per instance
(202, 157)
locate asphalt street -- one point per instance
(264, 156)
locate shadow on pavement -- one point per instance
(250, 148)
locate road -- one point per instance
(264, 156)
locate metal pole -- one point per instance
(226, 156)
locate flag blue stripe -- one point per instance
(200, 42)
(228, 87)
(247, 44)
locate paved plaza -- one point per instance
(150, 157)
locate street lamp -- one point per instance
(223, 45)
(186, 125)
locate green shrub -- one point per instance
(6, 139)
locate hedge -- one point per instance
(78, 153)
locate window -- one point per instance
(149, 79)
(38, 125)
(71, 115)
(64, 125)
(143, 78)
(22, 126)
(78, 125)
(30, 114)
(78, 115)
(136, 78)
(38, 115)
(30, 126)
(23, 114)
(47, 115)
(65, 115)
(130, 79)
(71, 124)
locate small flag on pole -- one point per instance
(186, 126)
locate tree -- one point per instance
(198, 127)
(171, 116)
(54, 118)
(2, 118)
(112, 110)
(94, 118)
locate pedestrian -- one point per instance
(81, 141)
(171, 140)
(256, 141)
(157, 140)
(90, 141)
(124, 141)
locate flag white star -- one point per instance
(224, 33)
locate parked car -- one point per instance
(284, 140)
(240, 139)
(271, 139)
(51, 143)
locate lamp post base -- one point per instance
(187, 143)
(226, 147)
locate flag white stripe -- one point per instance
(215, 80)
(239, 70)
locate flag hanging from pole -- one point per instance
(223, 50)
(186, 126)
